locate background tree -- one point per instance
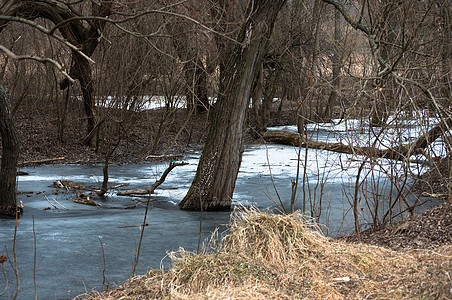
(81, 38)
(190, 45)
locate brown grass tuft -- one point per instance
(284, 257)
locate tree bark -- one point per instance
(214, 182)
(10, 155)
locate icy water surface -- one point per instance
(69, 258)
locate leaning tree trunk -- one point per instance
(10, 145)
(84, 75)
(214, 182)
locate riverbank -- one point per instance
(267, 256)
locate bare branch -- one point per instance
(386, 68)
(47, 32)
(14, 56)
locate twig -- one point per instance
(34, 260)
(60, 204)
(274, 185)
(137, 256)
(51, 202)
(104, 279)
(16, 269)
(127, 226)
(200, 224)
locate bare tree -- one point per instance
(219, 164)
(82, 39)
(336, 62)
(190, 45)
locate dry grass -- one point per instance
(281, 256)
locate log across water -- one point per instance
(400, 152)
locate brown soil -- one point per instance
(37, 124)
(430, 230)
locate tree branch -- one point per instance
(156, 184)
(47, 32)
(38, 59)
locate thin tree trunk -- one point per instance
(336, 60)
(89, 104)
(214, 182)
(257, 100)
(195, 73)
(10, 155)
(200, 87)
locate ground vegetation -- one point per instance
(284, 257)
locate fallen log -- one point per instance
(164, 157)
(128, 226)
(400, 152)
(151, 190)
(86, 202)
(133, 192)
(286, 137)
(40, 161)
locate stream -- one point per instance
(74, 240)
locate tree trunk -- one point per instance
(336, 60)
(214, 182)
(385, 85)
(198, 86)
(10, 145)
(257, 100)
(270, 87)
(89, 104)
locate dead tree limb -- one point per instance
(156, 184)
(400, 152)
(40, 161)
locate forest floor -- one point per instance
(420, 241)
(38, 125)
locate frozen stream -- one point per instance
(68, 252)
